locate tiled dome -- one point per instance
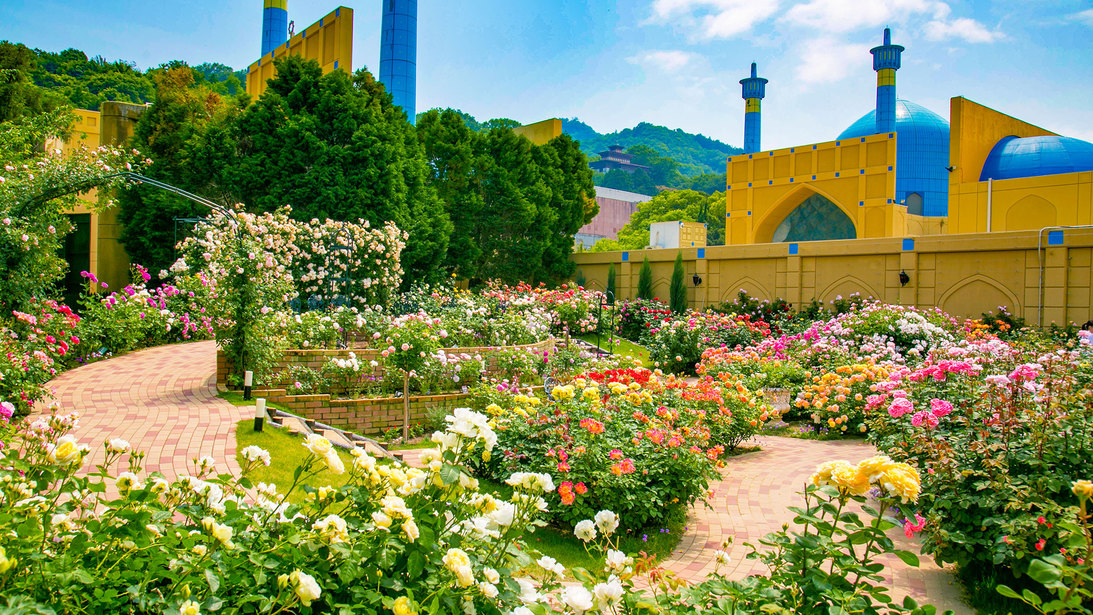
(922, 154)
(1033, 156)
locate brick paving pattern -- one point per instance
(163, 401)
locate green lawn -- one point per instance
(287, 453)
(619, 346)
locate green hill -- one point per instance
(695, 154)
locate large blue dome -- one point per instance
(1033, 156)
(922, 155)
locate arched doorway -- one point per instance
(815, 219)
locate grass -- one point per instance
(621, 347)
(236, 399)
(570, 551)
(287, 452)
(805, 430)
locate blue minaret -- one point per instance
(274, 24)
(398, 53)
(886, 61)
(753, 90)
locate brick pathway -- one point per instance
(751, 500)
(162, 400)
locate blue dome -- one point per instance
(1033, 156)
(922, 155)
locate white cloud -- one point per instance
(847, 15)
(969, 30)
(826, 59)
(667, 60)
(1085, 17)
(714, 18)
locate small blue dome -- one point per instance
(1014, 157)
(922, 155)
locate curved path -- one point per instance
(751, 500)
(162, 400)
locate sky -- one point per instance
(676, 63)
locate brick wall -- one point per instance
(362, 416)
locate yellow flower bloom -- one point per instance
(189, 608)
(402, 606)
(1083, 489)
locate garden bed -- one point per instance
(316, 358)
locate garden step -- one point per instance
(296, 425)
(337, 438)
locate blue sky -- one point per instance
(671, 62)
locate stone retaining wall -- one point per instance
(362, 416)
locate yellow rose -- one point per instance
(402, 606)
(317, 444)
(189, 608)
(66, 452)
(305, 586)
(6, 563)
(1083, 489)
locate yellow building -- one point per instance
(904, 171)
(95, 243)
(540, 133)
(328, 41)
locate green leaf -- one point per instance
(1030, 597)
(415, 564)
(1007, 592)
(1043, 572)
(214, 582)
(908, 558)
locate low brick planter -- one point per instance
(317, 358)
(362, 416)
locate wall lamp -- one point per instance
(904, 278)
(697, 280)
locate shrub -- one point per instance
(611, 284)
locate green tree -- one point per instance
(19, 96)
(611, 282)
(514, 205)
(677, 291)
(670, 205)
(645, 280)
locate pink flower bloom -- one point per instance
(940, 407)
(899, 407)
(909, 528)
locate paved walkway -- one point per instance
(751, 500)
(162, 400)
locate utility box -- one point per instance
(677, 235)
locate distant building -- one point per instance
(540, 133)
(616, 159)
(616, 208)
(677, 234)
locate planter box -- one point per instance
(317, 358)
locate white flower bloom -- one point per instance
(585, 530)
(607, 522)
(608, 595)
(577, 598)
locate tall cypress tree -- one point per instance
(677, 292)
(645, 280)
(611, 283)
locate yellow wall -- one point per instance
(113, 125)
(328, 41)
(540, 133)
(858, 175)
(1025, 203)
(965, 275)
(973, 131)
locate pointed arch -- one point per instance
(846, 286)
(977, 290)
(749, 284)
(773, 217)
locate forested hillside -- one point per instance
(695, 154)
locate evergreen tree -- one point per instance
(611, 283)
(645, 280)
(677, 291)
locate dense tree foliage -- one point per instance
(514, 206)
(329, 146)
(677, 290)
(670, 205)
(19, 96)
(645, 279)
